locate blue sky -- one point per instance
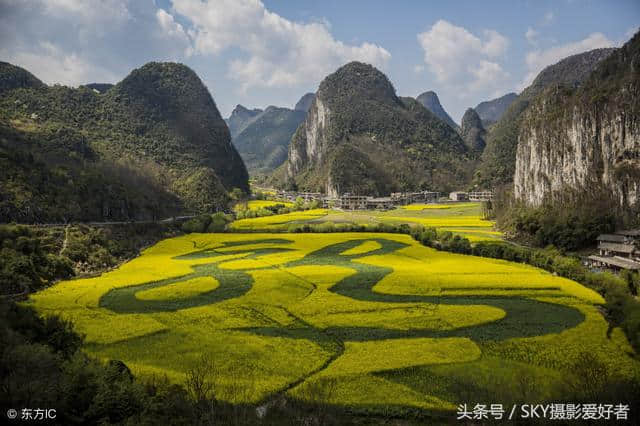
(271, 52)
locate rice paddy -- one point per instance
(389, 322)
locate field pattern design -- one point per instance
(396, 324)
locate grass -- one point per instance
(393, 324)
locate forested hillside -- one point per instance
(264, 141)
(360, 137)
(151, 146)
(499, 157)
(586, 140)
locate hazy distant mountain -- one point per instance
(359, 137)
(240, 118)
(491, 111)
(305, 102)
(264, 141)
(151, 146)
(431, 102)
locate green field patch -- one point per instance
(179, 290)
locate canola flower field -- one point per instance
(278, 222)
(389, 323)
(261, 204)
(464, 219)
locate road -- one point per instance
(124, 222)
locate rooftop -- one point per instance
(619, 262)
(614, 238)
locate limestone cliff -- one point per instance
(305, 102)
(359, 137)
(499, 156)
(578, 141)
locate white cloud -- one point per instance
(94, 12)
(486, 73)
(173, 30)
(532, 36)
(461, 60)
(278, 52)
(49, 63)
(537, 60)
(418, 69)
(495, 45)
(74, 42)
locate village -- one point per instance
(350, 201)
(615, 252)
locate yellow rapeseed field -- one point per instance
(438, 206)
(260, 204)
(277, 222)
(384, 320)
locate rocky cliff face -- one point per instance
(431, 102)
(499, 157)
(359, 137)
(472, 131)
(579, 141)
(305, 102)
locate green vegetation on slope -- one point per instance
(263, 142)
(499, 157)
(12, 77)
(153, 144)
(36, 257)
(372, 141)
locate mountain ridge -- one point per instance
(139, 149)
(360, 137)
(491, 111)
(497, 166)
(431, 102)
(580, 140)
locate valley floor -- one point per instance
(376, 322)
(464, 219)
